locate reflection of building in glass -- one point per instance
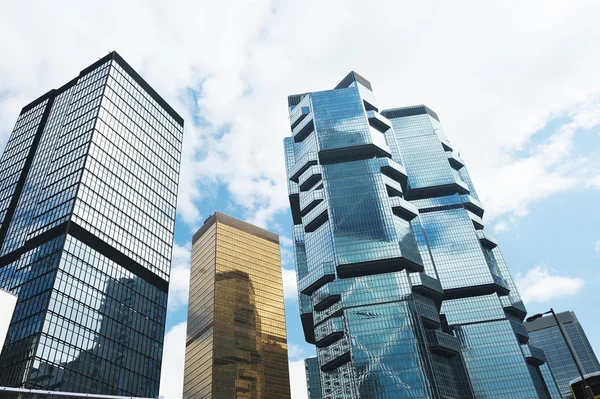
(402, 291)
(545, 334)
(88, 182)
(236, 341)
(313, 378)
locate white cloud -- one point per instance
(286, 241)
(298, 380)
(171, 376)
(290, 286)
(179, 285)
(500, 227)
(539, 285)
(597, 246)
(295, 351)
(493, 90)
(548, 168)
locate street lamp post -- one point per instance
(586, 388)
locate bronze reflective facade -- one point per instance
(236, 340)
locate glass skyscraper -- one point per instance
(401, 289)
(236, 344)
(545, 334)
(88, 185)
(313, 378)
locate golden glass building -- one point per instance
(236, 341)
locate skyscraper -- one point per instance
(88, 185)
(236, 340)
(402, 290)
(545, 334)
(313, 378)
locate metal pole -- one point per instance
(586, 389)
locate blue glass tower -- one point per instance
(402, 291)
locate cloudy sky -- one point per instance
(516, 85)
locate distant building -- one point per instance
(545, 334)
(313, 378)
(7, 307)
(88, 186)
(236, 339)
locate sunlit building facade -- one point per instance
(88, 185)
(402, 291)
(236, 339)
(546, 335)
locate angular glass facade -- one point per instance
(236, 340)
(546, 335)
(88, 185)
(401, 289)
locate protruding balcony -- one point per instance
(446, 144)
(378, 266)
(443, 344)
(394, 188)
(426, 285)
(329, 332)
(500, 285)
(306, 317)
(379, 122)
(533, 355)
(455, 160)
(455, 186)
(310, 177)
(515, 308)
(303, 129)
(477, 222)
(427, 310)
(472, 204)
(301, 165)
(358, 144)
(394, 170)
(299, 116)
(495, 284)
(316, 217)
(317, 278)
(334, 310)
(309, 200)
(520, 331)
(486, 239)
(325, 296)
(294, 197)
(335, 355)
(403, 208)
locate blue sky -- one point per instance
(516, 86)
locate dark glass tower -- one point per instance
(545, 334)
(313, 378)
(88, 185)
(402, 291)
